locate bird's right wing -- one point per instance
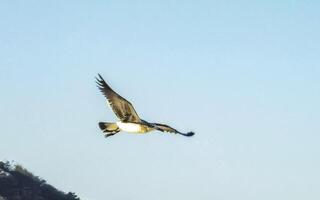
(122, 108)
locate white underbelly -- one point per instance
(129, 127)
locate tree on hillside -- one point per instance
(17, 183)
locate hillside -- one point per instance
(16, 183)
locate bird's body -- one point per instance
(133, 127)
(129, 121)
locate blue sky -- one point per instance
(244, 75)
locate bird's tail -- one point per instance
(107, 127)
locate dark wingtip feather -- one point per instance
(100, 77)
(102, 83)
(98, 82)
(189, 134)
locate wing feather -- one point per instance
(122, 108)
(166, 128)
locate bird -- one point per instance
(128, 119)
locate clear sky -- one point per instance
(244, 75)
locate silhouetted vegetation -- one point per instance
(17, 183)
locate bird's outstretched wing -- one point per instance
(122, 108)
(166, 128)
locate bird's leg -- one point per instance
(109, 134)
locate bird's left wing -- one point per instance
(166, 128)
(122, 108)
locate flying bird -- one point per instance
(129, 121)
